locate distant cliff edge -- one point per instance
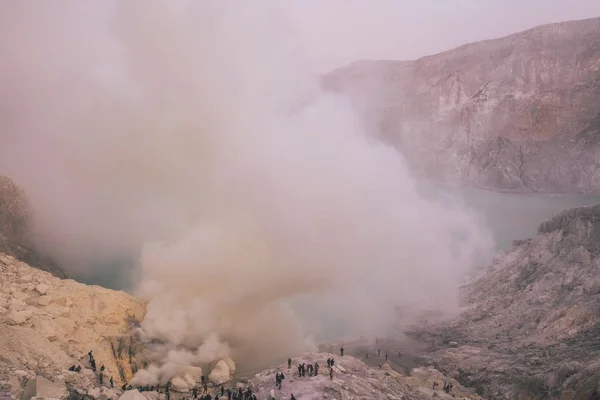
(518, 114)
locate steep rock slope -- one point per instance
(531, 326)
(48, 324)
(520, 113)
(14, 228)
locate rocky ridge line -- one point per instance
(530, 326)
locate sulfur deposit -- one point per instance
(48, 325)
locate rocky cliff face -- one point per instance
(530, 326)
(48, 324)
(14, 228)
(519, 114)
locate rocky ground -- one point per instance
(48, 324)
(518, 114)
(530, 327)
(353, 379)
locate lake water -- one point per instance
(509, 216)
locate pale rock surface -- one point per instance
(42, 387)
(519, 114)
(352, 379)
(42, 288)
(220, 373)
(48, 324)
(180, 385)
(132, 395)
(530, 326)
(230, 364)
(194, 373)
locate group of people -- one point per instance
(448, 386)
(92, 361)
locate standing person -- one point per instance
(386, 356)
(289, 363)
(331, 374)
(342, 351)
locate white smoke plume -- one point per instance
(266, 212)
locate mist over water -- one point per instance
(191, 134)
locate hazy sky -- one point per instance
(336, 32)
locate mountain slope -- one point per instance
(14, 228)
(519, 113)
(530, 326)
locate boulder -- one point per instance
(94, 392)
(17, 317)
(44, 301)
(178, 384)
(42, 288)
(230, 364)
(42, 387)
(194, 372)
(191, 382)
(132, 395)
(220, 373)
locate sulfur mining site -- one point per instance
(271, 200)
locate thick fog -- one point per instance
(191, 136)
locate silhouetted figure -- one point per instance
(278, 379)
(112, 383)
(194, 393)
(202, 379)
(332, 362)
(102, 368)
(331, 374)
(229, 394)
(316, 369)
(222, 391)
(378, 352)
(292, 397)
(386, 356)
(93, 365)
(342, 351)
